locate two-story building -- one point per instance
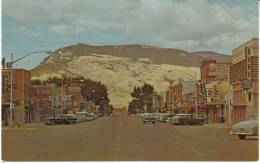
(244, 80)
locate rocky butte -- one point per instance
(121, 67)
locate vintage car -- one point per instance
(84, 116)
(164, 117)
(246, 128)
(70, 118)
(186, 119)
(93, 115)
(54, 121)
(149, 118)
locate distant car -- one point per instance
(186, 119)
(165, 117)
(70, 118)
(84, 116)
(157, 116)
(55, 120)
(93, 115)
(141, 114)
(169, 117)
(245, 128)
(112, 115)
(149, 118)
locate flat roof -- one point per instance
(254, 38)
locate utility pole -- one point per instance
(11, 80)
(170, 94)
(196, 96)
(11, 91)
(229, 99)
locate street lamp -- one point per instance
(10, 66)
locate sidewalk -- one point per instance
(24, 126)
(217, 125)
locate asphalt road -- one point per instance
(125, 138)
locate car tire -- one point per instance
(153, 122)
(242, 137)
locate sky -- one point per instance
(215, 25)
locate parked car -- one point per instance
(157, 116)
(84, 116)
(93, 115)
(141, 114)
(112, 115)
(70, 118)
(245, 128)
(169, 117)
(165, 117)
(149, 118)
(186, 119)
(55, 120)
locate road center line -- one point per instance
(117, 143)
(181, 144)
(198, 152)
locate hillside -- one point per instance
(120, 67)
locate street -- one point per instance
(125, 138)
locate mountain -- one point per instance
(121, 67)
(223, 58)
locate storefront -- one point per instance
(239, 113)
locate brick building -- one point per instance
(5, 96)
(211, 70)
(174, 96)
(21, 95)
(244, 80)
(40, 103)
(208, 70)
(76, 97)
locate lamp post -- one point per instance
(10, 65)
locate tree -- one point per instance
(94, 91)
(3, 62)
(137, 93)
(142, 96)
(147, 89)
(36, 82)
(134, 105)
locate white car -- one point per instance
(246, 128)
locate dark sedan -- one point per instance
(55, 120)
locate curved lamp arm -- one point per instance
(46, 51)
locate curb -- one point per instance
(25, 126)
(216, 126)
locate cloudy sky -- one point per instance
(217, 25)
